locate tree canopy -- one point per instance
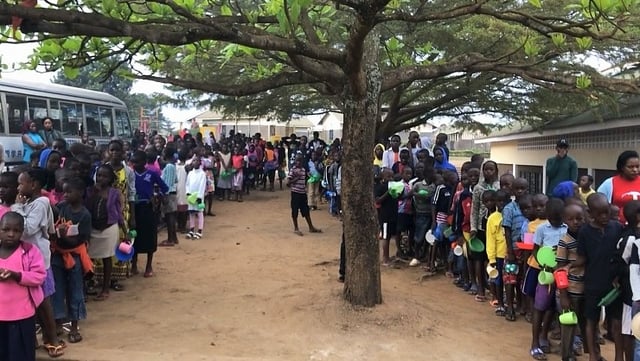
(278, 58)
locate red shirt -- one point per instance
(624, 190)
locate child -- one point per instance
(38, 224)
(441, 205)
(170, 202)
(534, 212)
(489, 182)
(571, 298)
(399, 166)
(480, 258)
(147, 237)
(497, 247)
(22, 273)
(548, 234)
(461, 211)
(423, 190)
(387, 213)
(297, 180)
(196, 184)
(506, 183)
(405, 226)
(209, 163)
(585, 183)
(597, 242)
(316, 168)
(69, 258)
(181, 194)
(237, 162)
(105, 206)
(8, 191)
(512, 221)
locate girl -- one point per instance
(270, 166)
(180, 191)
(225, 179)
(489, 181)
(125, 183)
(147, 238)
(251, 168)
(210, 170)
(50, 161)
(170, 204)
(105, 205)
(196, 184)
(237, 161)
(8, 191)
(70, 260)
(38, 224)
(22, 273)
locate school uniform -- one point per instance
(146, 221)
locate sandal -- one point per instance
(500, 312)
(537, 354)
(315, 230)
(54, 351)
(479, 298)
(116, 286)
(75, 337)
(510, 315)
(544, 346)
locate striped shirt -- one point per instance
(513, 219)
(298, 180)
(567, 253)
(170, 177)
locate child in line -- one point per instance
(147, 234)
(196, 183)
(105, 205)
(181, 194)
(73, 229)
(597, 242)
(441, 205)
(209, 165)
(297, 180)
(585, 189)
(387, 213)
(571, 298)
(405, 230)
(534, 212)
(237, 183)
(8, 191)
(170, 202)
(497, 248)
(547, 234)
(22, 273)
(480, 259)
(512, 221)
(422, 192)
(461, 214)
(38, 225)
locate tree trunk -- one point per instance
(362, 279)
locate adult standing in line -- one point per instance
(625, 186)
(561, 167)
(316, 142)
(391, 155)
(31, 140)
(415, 144)
(48, 134)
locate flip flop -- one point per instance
(148, 274)
(537, 354)
(75, 337)
(315, 230)
(54, 351)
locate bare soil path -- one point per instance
(252, 290)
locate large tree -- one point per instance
(412, 58)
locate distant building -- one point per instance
(595, 141)
(330, 126)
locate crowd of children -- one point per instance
(493, 239)
(75, 219)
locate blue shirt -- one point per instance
(170, 177)
(548, 235)
(145, 183)
(513, 219)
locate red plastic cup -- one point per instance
(562, 278)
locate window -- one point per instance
(533, 175)
(106, 122)
(17, 111)
(93, 120)
(56, 115)
(123, 128)
(71, 118)
(599, 175)
(38, 110)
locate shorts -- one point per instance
(592, 311)
(405, 223)
(388, 229)
(545, 297)
(299, 203)
(498, 281)
(422, 226)
(626, 319)
(530, 283)
(170, 203)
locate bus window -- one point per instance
(17, 110)
(70, 117)
(56, 115)
(106, 121)
(93, 120)
(123, 128)
(37, 110)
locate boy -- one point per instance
(405, 227)
(597, 242)
(423, 190)
(391, 155)
(497, 247)
(170, 202)
(297, 180)
(387, 213)
(585, 190)
(399, 167)
(441, 205)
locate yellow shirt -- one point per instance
(584, 195)
(496, 241)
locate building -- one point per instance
(219, 123)
(595, 142)
(330, 126)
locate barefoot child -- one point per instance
(196, 184)
(497, 248)
(22, 273)
(70, 260)
(38, 224)
(105, 205)
(297, 180)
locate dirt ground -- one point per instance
(252, 290)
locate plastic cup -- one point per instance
(476, 245)
(561, 277)
(545, 277)
(568, 318)
(528, 238)
(448, 232)
(457, 250)
(492, 272)
(546, 257)
(511, 268)
(430, 238)
(192, 199)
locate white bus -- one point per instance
(74, 111)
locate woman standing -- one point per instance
(48, 134)
(625, 186)
(31, 140)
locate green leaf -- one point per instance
(558, 39)
(393, 44)
(536, 3)
(108, 6)
(583, 81)
(225, 10)
(584, 43)
(71, 73)
(72, 44)
(531, 48)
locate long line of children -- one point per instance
(486, 232)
